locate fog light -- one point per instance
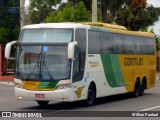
(19, 98)
(64, 99)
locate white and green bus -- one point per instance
(81, 61)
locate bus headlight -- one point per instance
(63, 86)
(18, 85)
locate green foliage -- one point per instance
(157, 42)
(137, 18)
(87, 3)
(80, 13)
(3, 4)
(4, 35)
(157, 39)
(133, 14)
(40, 9)
(69, 13)
(9, 22)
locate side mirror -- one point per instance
(8, 49)
(71, 47)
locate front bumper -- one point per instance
(56, 95)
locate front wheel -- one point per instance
(91, 95)
(42, 103)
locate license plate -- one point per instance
(39, 95)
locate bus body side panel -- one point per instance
(138, 66)
(100, 69)
(115, 74)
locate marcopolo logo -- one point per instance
(133, 61)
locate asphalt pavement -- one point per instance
(112, 105)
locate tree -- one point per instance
(137, 18)
(64, 15)
(87, 3)
(106, 7)
(4, 35)
(40, 9)
(133, 14)
(157, 38)
(135, 3)
(3, 6)
(10, 21)
(69, 13)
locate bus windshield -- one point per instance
(42, 62)
(46, 35)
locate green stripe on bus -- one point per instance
(112, 70)
(47, 85)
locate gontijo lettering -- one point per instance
(133, 61)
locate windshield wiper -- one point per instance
(43, 65)
(32, 71)
(34, 68)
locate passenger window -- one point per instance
(118, 43)
(107, 43)
(94, 42)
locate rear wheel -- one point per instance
(142, 88)
(42, 103)
(91, 95)
(136, 89)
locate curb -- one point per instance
(6, 83)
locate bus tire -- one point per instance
(91, 95)
(136, 89)
(42, 103)
(142, 89)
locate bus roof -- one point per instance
(106, 25)
(55, 25)
(97, 26)
(117, 29)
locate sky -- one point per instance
(155, 3)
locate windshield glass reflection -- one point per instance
(42, 63)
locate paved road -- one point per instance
(149, 102)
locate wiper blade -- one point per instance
(34, 68)
(32, 71)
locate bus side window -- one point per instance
(94, 42)
(118, 43)
(129, 45)
(107, 44)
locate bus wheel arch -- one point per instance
(91, 94)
